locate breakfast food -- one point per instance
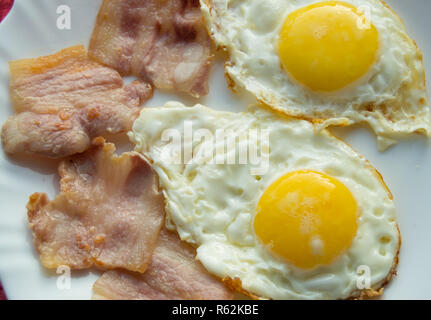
(64, 100)
(173, 274)
(266, 202)
(335, 62)
(109, 212)
(162, 42)
(296, 224)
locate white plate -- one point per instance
(30, 30)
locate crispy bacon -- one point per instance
(173, 274)
(109, 212)
(64, 100)
(162, 42)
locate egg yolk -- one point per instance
(307, 217)
(328, 45)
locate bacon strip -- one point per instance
(109, 212)
(64, 100)
(173, 274)
(162, 42)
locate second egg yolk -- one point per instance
(307, 217)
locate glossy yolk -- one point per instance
(328, 45)
(307, 217)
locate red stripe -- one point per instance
(5, 6)
(2, 293)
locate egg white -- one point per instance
(213, 205)
(391, 97)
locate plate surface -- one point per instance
(30, 30)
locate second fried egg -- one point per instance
(341, 62)
(291, 212)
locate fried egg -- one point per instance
(270, 202)
(334, 62)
